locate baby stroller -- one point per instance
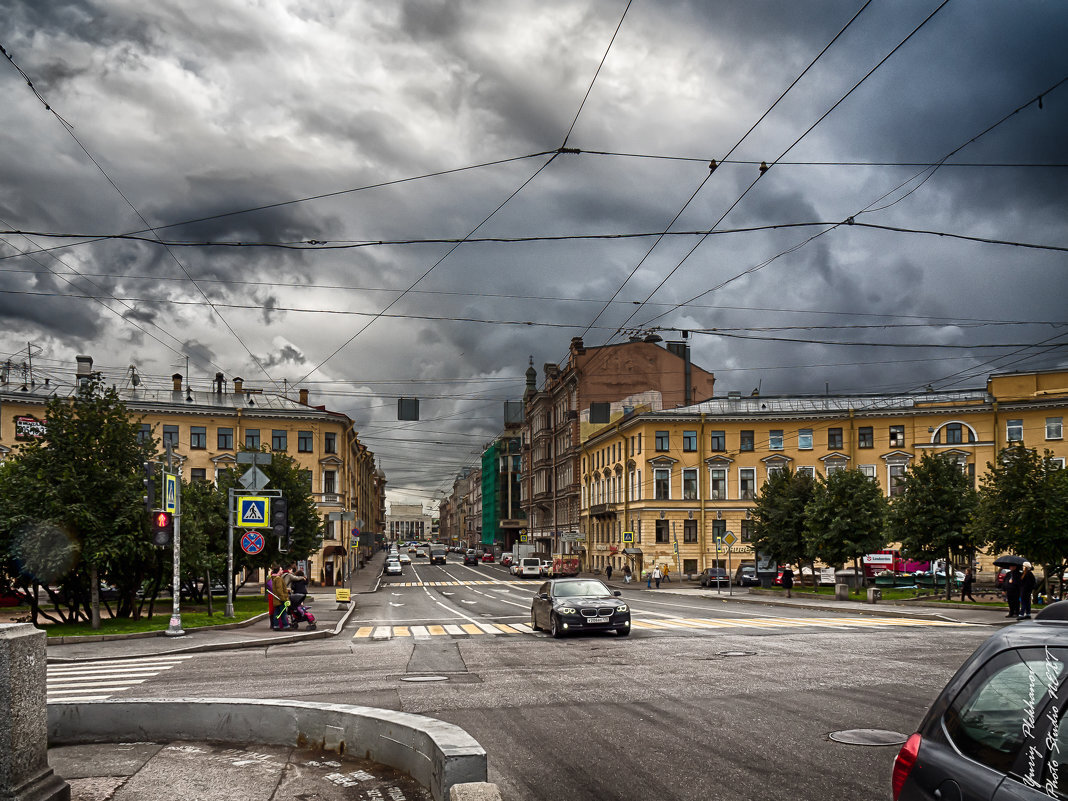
(301, 614)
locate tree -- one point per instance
(779, 518)
(931, 517)
(845, 518)
(1023, 507)
(72, 513)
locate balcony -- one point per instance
(602, 510)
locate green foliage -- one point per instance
(930, 518)
(779, 515)
(1023, 507)
(845, 518)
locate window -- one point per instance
(330, 442)
(690, 566)
(198, 474)
(170, 436)
(719, 441)
(252, 439)
(304, 441)
(689, 531)
(717, 478)
(689, 441)
(639, 444)
(198, 438)
(661, 484)
(833, 467)
(747, 483)
(897, 472)
(278, 440)
(145, 434)
(1014, 430)
(662, 531)
(1054, 428)
(330, 482)
(689, 484)
(747, 531)
(834, 439)
(865, 437)
(807, 471)
(804, 439)
(868, 470)
(663, 439)
(306, 477)
(954, 434)
(747, 441)
(225, 439)
(775, 439)
(719, 530)
(897, 436)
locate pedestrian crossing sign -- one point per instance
(628, 537)
(253, 511)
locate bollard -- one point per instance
(841, 592)
(874, 595)
(24, 771)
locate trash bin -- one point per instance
(874, 595)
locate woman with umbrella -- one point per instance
(1027, 589)
(1012, 582)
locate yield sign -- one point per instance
(252, 542)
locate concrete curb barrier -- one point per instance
(434, 753)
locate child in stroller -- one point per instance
(301, 614)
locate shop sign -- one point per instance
(29, 427)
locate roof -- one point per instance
(794, 404)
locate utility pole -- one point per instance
(175, 627)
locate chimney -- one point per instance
(304, 396)
(85, 367)
(220, 382)
(176, 382)
(239, 385)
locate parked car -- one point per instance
(545, 569)
(529, 567)
(393, 567)
(487, 556)
(571, 605)
(747, 576)
(997, 728)
(470, 558)
(715, 577)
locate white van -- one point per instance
(529, 566)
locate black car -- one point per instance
(470, 558)
(998, 730)
(715, 577)
(747, 577)
(566, 605)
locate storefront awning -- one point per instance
(333, 550)
(632, 551)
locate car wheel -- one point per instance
(623, 632)
(534, 622)
(554, 627)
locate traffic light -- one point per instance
(150, 486)
(280, 522)
(162, 527)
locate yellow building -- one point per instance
(206, 429)
(689, 476)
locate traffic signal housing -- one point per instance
(162, 528)
(280, 522)
(150, 486)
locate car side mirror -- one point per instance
(544, 596)
(617, 592)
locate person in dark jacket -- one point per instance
(966, 586)
(1027, 589)
(787, 580)
(1012, 590)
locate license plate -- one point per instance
(596, 620)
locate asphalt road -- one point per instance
(707, 699)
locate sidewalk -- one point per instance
(330, 617)
(960, 613)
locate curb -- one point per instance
(436, 754)
(144, 635)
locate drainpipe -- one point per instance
(702, 468)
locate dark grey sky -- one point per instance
(198, 109)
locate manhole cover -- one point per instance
(868, 737)
(737, 653)
(433, 678)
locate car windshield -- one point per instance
(574, 589)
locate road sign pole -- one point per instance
(175, 627)
(230, 558)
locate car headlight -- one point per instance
(566, 610)
(622, 608)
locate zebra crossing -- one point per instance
(98, 681)
(479, 583)
(477, 629)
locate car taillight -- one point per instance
(904, 763)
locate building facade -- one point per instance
(666, 487)
(408, 521)
(502, 514)
(206, 430)
(596, 387)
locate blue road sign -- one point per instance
(170, 492)
(252, 542)
(253, 511)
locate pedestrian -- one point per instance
(626, 574)
(1011, 583)
(666, 576)
(608, 572)
(648, 578)
(966, 586)
(298, 587)
(657, 575)
(1027, 589)
(281, 601)
(268, 587)
(788, 580)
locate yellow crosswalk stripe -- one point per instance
(401, 631)
(435, 630)
(471, 628)
(364, 631)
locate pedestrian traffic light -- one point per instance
(280, 522)
(150, 486)
(162, 527)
